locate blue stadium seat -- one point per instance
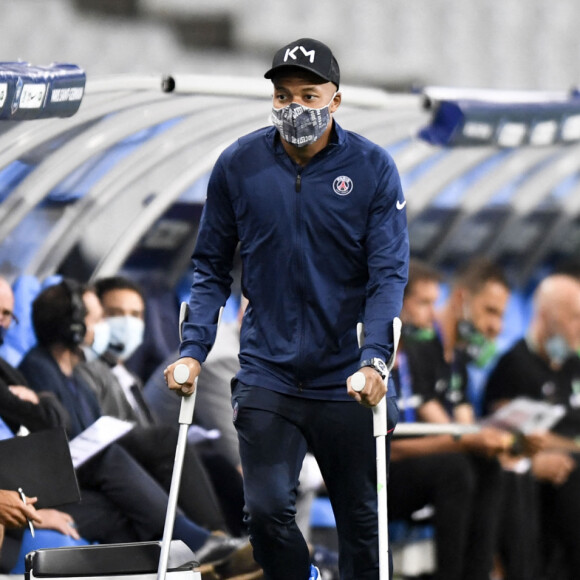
(321, 515)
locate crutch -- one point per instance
(180, 374)
(380, 433)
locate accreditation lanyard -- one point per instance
(405, 384)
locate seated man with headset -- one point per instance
(129, 504)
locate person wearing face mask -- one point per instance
(468, 324)
(151, 443)
(123, 312)
(544, 365)
(129, 479)
(437, 373)
(459, 478)
(320, 218)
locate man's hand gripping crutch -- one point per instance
(367, 387)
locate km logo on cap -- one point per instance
(291, 53)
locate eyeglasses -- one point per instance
(9, 315)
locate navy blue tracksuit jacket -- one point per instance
(322, 247)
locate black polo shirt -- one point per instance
(520, 372)
(429, 376)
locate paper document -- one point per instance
(95, 438)
(526, 416)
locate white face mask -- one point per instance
(300, 125)
(101, 337)
(126, 335)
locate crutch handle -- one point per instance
(181, 374)
(358, 382)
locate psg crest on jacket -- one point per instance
(342, 185)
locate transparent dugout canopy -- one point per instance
(120, 185)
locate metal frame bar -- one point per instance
(426, 429)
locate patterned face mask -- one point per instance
(300, 125)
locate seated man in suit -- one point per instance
(121, 307)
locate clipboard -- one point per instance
(40, 463)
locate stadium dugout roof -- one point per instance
(120, 185)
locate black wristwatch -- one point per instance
(377, 364)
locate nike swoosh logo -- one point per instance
(401, 205)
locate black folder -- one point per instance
(40, 463)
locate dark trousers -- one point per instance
(117, 502)
(560, 523)
(485, 515)
(540, 533)
(465, 491)
(447, 482)
(519, 534)
(154, 448)
(274, 432)
(120, 502)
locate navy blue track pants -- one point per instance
(275, 431)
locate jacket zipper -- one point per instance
(298, 189)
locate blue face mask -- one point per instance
(300, 125)
(126, 335)
(557, 349)
(101, 337)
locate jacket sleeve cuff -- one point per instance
(370, 352)
(193, 351)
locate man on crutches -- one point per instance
(320, 219)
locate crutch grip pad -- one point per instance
(181, 374)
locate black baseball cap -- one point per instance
(307, 54)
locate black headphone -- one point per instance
(74, 329)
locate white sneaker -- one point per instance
(314, 573)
